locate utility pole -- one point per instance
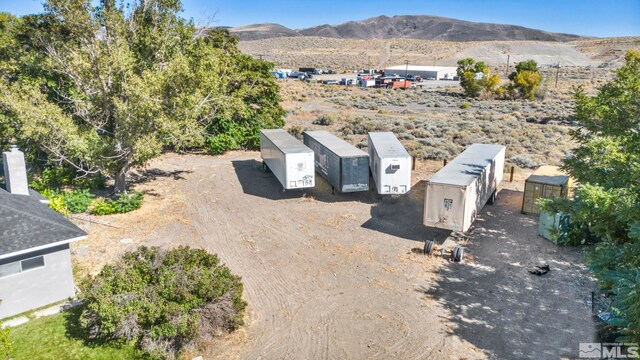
(557, 73)
(406, 69)
(507, 72)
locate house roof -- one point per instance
(26, 224)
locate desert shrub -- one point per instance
(164, 301)
(296, 131)
(524, 161)
(325, 120)
(123, 203)
(465, 105)
(5, 342)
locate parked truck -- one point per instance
(390, 163)
(287, 158)
(343, 165)
(457, 193)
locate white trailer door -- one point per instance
(444, 206)
(300, 171)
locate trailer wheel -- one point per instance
(428, 247)
(458, 254)
(265, 167)
(492, 199)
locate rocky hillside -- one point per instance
(421, 27)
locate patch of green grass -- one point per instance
(59, 337)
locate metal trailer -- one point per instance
(546, 182)
(287, 158)
(343, 165)
(390, 163)
(456, 194)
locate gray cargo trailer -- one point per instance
(343, 165)
(390, 163)
(288, 158)
(456, 194)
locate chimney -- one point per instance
(15, 171)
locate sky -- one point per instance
(581, 17)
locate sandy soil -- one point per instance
(342, 276)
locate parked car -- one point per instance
(331, 82)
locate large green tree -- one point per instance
(476, 78)
(526, 79)
(108, 85)
(606, 164)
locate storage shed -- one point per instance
(287, 158)
(390, 163)
(545, 182)
(426, 72)
(343, 165)
(457, 193)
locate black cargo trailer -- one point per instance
(343, 165)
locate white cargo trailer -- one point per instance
(287, 158)
(390, 163)
(456, 194)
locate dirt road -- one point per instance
(342, 276)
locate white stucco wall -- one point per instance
(38, 287)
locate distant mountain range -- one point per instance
(423, 27)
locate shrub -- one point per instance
(58, 176)
(77, 201)
(74, 202)
(524, 161)
(123, 203)
(465, 105)
(164, 301)
(325, 120)
(220, 143)
(295, 130)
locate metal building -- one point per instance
(390, 163)
(456, 194)
(545, 182)
(287, 158)
(426, 72)
(343, 165)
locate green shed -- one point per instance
(546, 182)
(554, 227)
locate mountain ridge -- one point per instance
(422, 27)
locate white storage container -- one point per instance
(456, 194)
(390, 163)
(289, 159)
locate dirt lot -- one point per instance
(342, 276)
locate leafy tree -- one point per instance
(526, 79)
(109, 87)
(476, 78)
(162, 300)
(607, 203)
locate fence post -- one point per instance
(512, 170)
(445, 162)
(413, 163)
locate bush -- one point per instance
(325, 120)
(295, 130)
(218, 144)
(524, 161)
(58, 176)
(74, 202)
(123, 203)
(465, 105)
(164, 301)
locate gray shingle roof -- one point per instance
(26, 223)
